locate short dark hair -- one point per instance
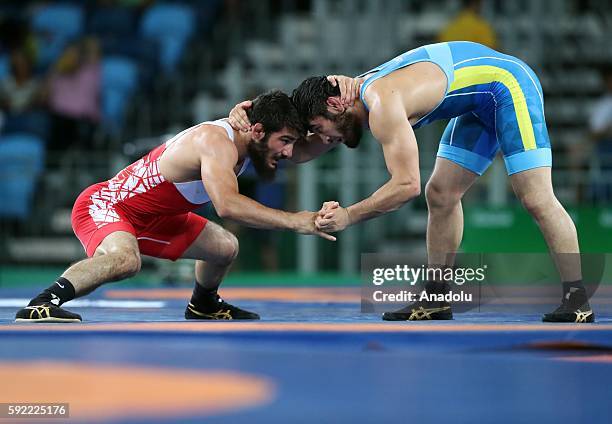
(310, 98)
(275, 111)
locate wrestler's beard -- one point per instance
(258, 152)
(350, 127)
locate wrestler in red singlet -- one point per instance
(141, 201)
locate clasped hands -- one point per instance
(332, 218)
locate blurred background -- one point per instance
(87, 87)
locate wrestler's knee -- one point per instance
(228, 247)
(122, 249)
(440, 196)
(129, 262)
(538, 203)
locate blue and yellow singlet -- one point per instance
(493, 101)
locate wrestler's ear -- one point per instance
(258, 132)
(334, 105)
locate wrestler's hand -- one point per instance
(328, 206)
(333, 220)
(324, 212)
(305, 224)
(349, 88)
(238, 118)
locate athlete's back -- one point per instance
(495, 100)
(465, 64)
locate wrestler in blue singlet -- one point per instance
(494, 101)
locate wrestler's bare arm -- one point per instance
(218, 159)
(389, 123)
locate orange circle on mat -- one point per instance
(101, 392)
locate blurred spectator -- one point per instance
(21, 99)
(469, 25)
(74, 94)
(21, 91)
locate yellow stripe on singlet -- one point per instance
(482, 74)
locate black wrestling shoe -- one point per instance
(424, 310)
(574, 308)
(218, 310)
(46, 312)
(564, 313)
(420, 311)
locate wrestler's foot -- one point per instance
(420, 311)
(46, 312)
(217, 310)
(574, 307)
(424, 310)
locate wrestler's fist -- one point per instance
(304, 223)
(327, 207)
(333, 219)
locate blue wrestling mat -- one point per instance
(313, 358)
